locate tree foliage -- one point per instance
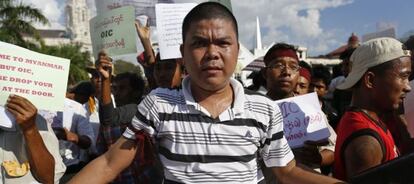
(18, 18)
(79, 60)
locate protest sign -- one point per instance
(103, 6)
(226, 3)
(141, 7)
(145, 7)
(390, 32)
(40, 78)
(303, 119)
(169, 21)
(114, 31)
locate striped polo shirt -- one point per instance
(196, 148)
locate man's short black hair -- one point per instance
(206, 11)
(135, 80)
(83, 88)
(409, 44)
(276, 47)
(347, 54)
(304, 64)
(322, 72)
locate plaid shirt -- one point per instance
(136, 172)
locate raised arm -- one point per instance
(106, 167)
(42, 163)
(144, 35)
(109, 115)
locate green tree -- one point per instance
(18, 18)
(79, 60)
(121, 66)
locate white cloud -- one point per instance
(52, 9)
(292, 21)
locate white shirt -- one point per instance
(75, 120)
(13, 148)
(196, 148)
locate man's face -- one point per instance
(123, 92)
(282, 75)
(302, 87)
(210, 52)
(412, 65)
(318, 86)
(167, 74)
(391, 88)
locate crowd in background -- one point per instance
(362, 99)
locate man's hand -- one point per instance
(309, 154)
(23, 111)
(42, 164)
(143, 31)
(71, 137)
(59, 132)
(104, 65)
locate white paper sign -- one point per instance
(409, 110)
(6, 119)
(384, 33)
(169, 22)
(303, 119)
(142, 7)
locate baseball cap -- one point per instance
(370, 54)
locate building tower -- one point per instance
(77, 23)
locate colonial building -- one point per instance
(77, 23)
(77, 27)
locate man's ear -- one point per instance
(263, 72)
(368, 79)
(182, 50)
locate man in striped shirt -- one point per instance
(210, 131)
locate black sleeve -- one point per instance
(110, 116)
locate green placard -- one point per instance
(114, 31)
(226, 3)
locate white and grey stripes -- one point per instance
(195, 148)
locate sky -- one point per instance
(319, 25)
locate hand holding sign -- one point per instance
(104, 65)
(303, 119)
(143, 31)
(309, 154)
(23, 111)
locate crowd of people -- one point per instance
(189, 121)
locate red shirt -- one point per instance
(356, 123)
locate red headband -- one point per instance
(305, 73)
(283, 53)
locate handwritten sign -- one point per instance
(303, 119)
(103, 6)
(169, 22)
(40, 78)
(114, 31)
(142, 7)
(409, 110)
(390, 32)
